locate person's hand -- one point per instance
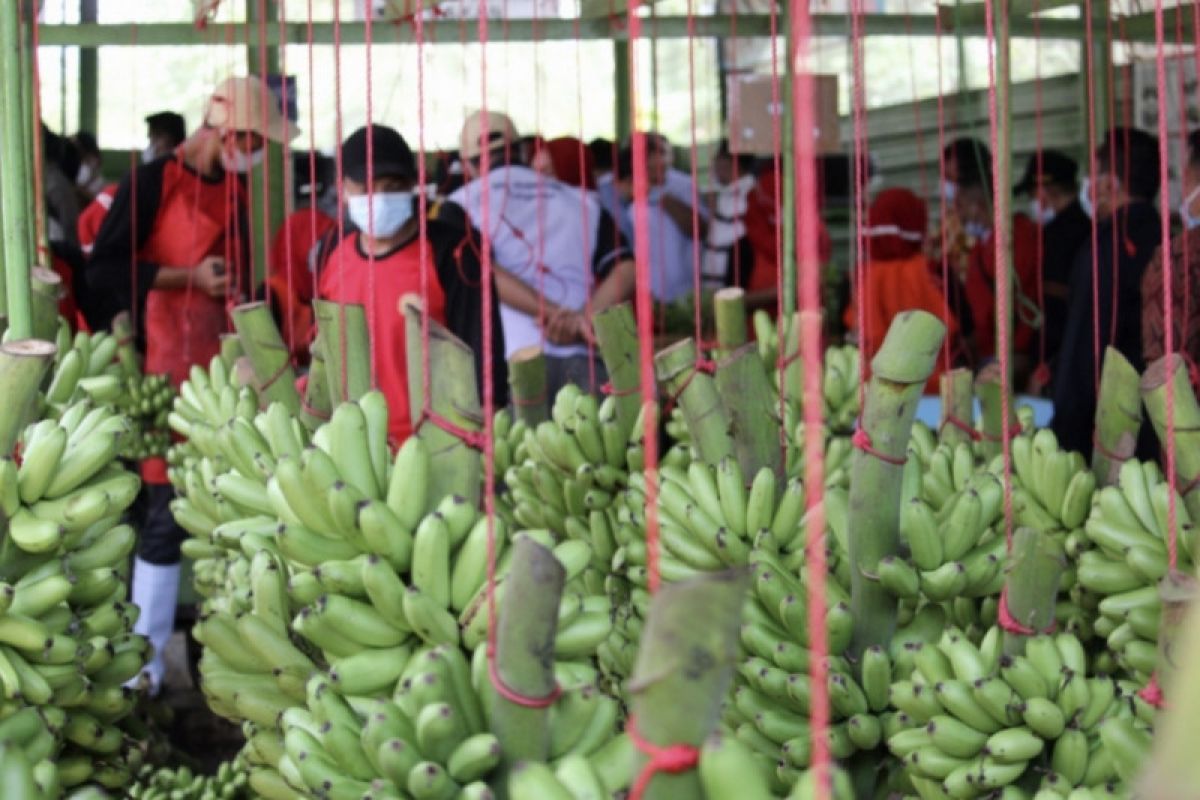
(568, 327)
(211, 277)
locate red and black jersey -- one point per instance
(165, 214)
(453, 297)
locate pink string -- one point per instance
(1153, 693)
(1009, 623)
(862, 440)
(672, 759)
(955, 422)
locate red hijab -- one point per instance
(895, 225)
(572, 161)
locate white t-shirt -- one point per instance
(725, 227)
(544, 233)
(672, 251)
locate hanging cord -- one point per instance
(372, 310)
(1168, 296)
(1040, 257)
(288, 179)
(809, 302)
(1089, 42)
(1002, 248)
(943, 240)
(589, 275)
(312, 146)
(858, 101)
(671, 760)
(918, 125)
(702, 363)
(785, 436)
(344, 377)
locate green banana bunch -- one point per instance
(146, 400)
(971, 721)
(230, 782)
(1123, 556)
(1053, 487)
(87, 366)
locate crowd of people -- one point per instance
(171, 242)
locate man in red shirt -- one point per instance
(171, 250)
(387, 256)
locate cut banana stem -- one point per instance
(695, 392)
(527, 385)
(317, 407)
(1170, 373)
(616, 334)
(729, 313)
(1034, 567)
(23, 364)
(455, 467)
(525, 631)
(683, 670)
(753, 410)
(899, 371)
(958, 403)
(274, 377)
(347, 349)
(1118, 417)
(988, 387)
(1173, 772)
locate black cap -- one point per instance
(169, 124)
(1056, 167)
(390, 155)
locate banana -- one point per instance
(431, 559)
(39, 460)
(84, 459)
(534, 779)
(728, 768)
(958, 699)
(474, 757)
(876, 672)
(429, 620)
(1014, 746)
(919, 527)
(408, 490)
(384, 533)
(731, 484)
(35, 535)
(760, 503)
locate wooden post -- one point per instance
(527, 384)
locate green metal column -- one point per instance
(262, 59)
(1096, 74)
(89, 75)
(622, 110)
(15, 177)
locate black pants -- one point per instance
(160, 537)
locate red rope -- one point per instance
(1153, 693)
(862, 440)
(955, 422)
(1038, 136)
(1009, 623)
(1089, 41)
(372, 310)
(644, 306)
(1002, 250)
(312, 142)
(861, 153)
(343, 378)
(808, 286)
(672, 759)
(288, 176)
(943, 240)
(1168, 295)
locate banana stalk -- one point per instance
(1173, 772)
(23, 364)
(1178, 591)
(898, 375)
(696, 394)
(729, 310)
(45, 289)
(616, 333)
(527, 384)
(1171, 371)
(274, 377)
(1118, 417)
(684, 668)
(316, 409)
(987, 388)
(347, 345)
(958, 402)
(455, 467)
(1034, 567)
(122, 328)
(752, 409)
(791, 377)
(526, 627)
(231, 347)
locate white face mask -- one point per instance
(1085, 198)
(241, 161)
(977, 230)
(380, 215)
(1185, 210)
(1042, 214)
(949, 191)
(149, 154)
(84, 177)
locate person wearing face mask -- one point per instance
(88, 181)
(1185, 271)
(558, 256)
(959, 156)
(165, 130)
(174, 256)
(1052, 184)
(728, 256)
(1105, 295)
(382, 258)
(973, 206)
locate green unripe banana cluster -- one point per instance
(229, 782)
(971, 721)
(1122, 559)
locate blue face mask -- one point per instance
(382, 214)
(1044, 215)
(977, 230)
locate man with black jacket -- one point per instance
(1120, 200)
(1052, 184)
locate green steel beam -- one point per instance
(622, 110)
(89, 75)
(518, 30)
(1141, 26)
(973, 14)
(1003, 173)
(267, 182)
(15, 177)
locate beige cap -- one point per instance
(500, 131)
(237, 104)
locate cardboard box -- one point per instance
(752, 114)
